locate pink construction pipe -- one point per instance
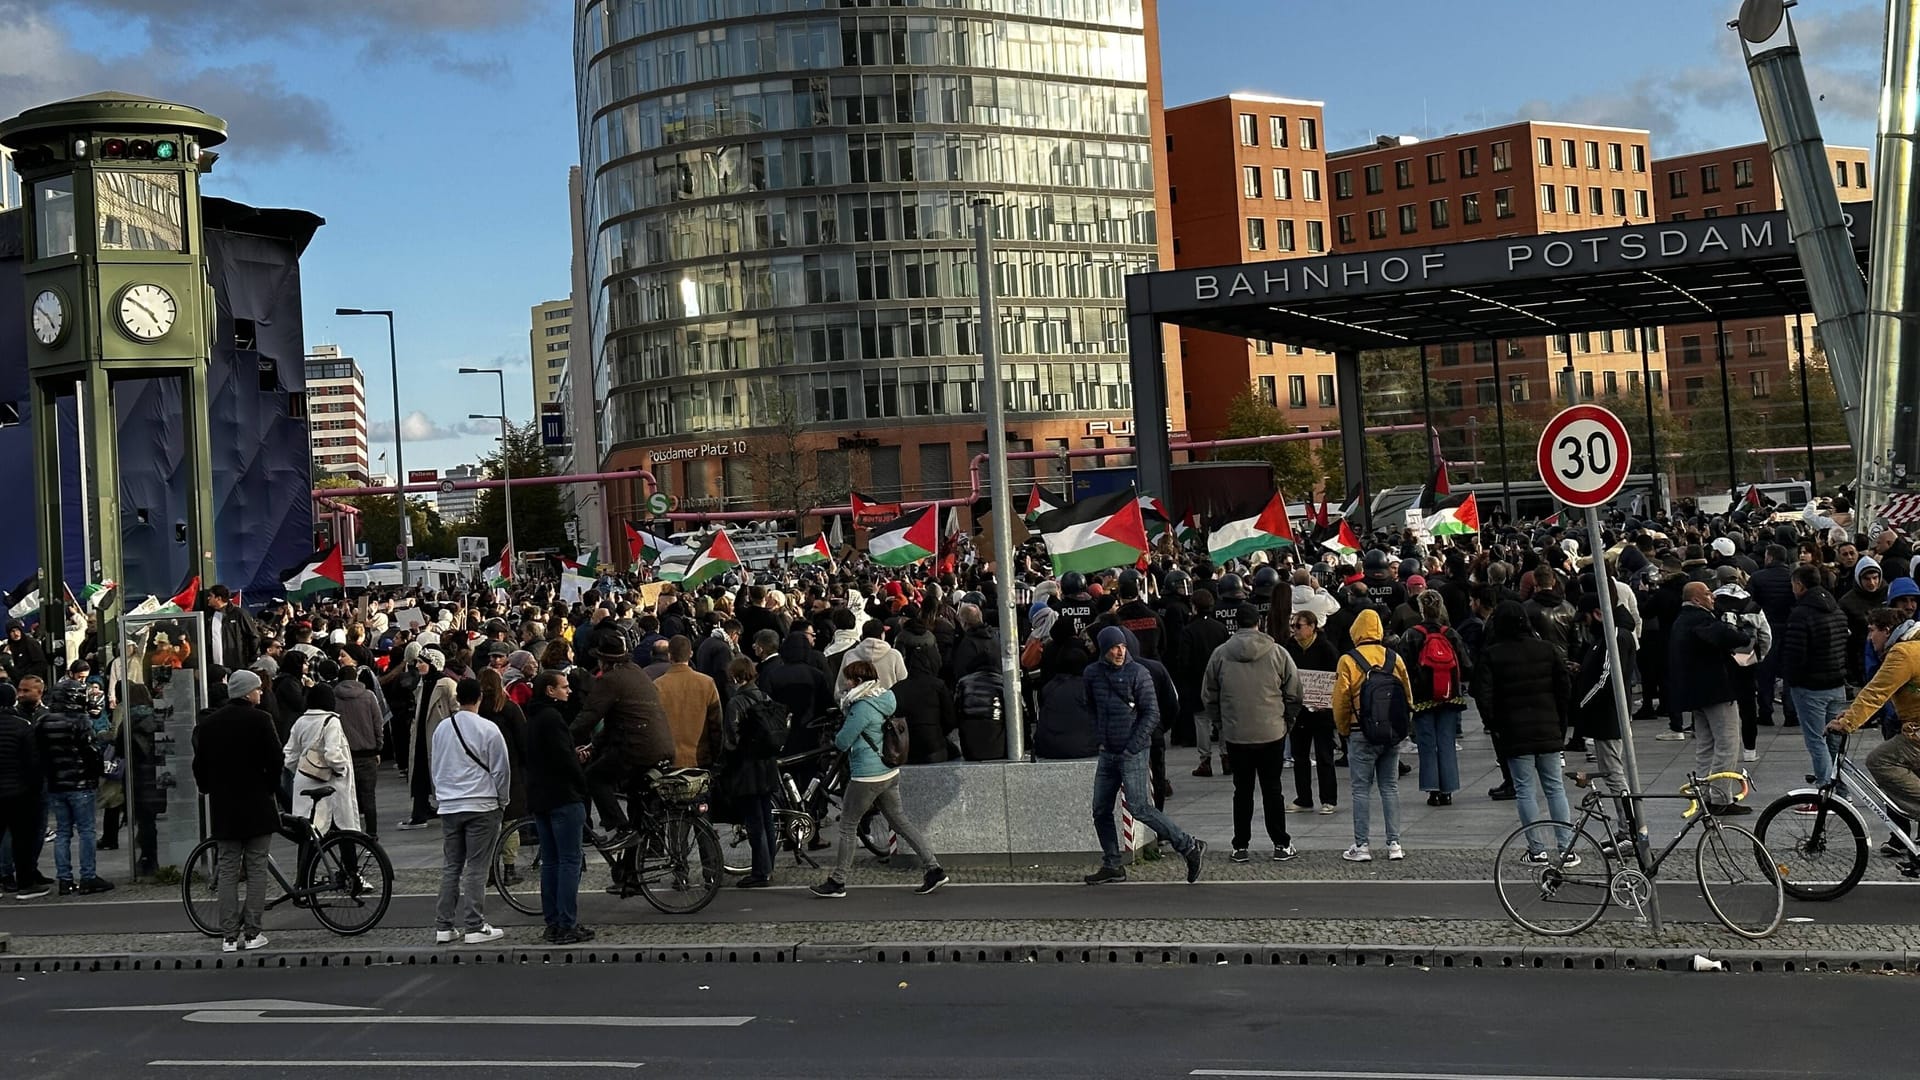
(518, 481)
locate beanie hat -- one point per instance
(1110, 637)
(435, 659)
(242, 683)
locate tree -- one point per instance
(788, 476)
(1296, 467)
(538, 521)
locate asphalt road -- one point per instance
(1870, 904)
(859, 1021)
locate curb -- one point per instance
(1139, 954)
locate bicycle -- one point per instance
(345, 878)
(799, 815)
(1558, 864)
(1826, 835)
(674, 861)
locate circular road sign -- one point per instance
(1584, 455)
(659, 503)
(446, 487)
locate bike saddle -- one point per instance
(324, 791)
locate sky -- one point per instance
(435, 135)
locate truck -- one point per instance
(1216, 490)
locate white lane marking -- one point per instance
(248, 1004)
(1313, 1074)
(236, 1016)
(309, 1064)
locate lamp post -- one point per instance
(506, 463)
(399, 456)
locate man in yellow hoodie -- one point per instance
(1894, 764)
(1371, 765)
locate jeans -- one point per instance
(1203, 739)
(1607, 754)
(1374, 766)
(607, 777)
(864, 795)
(561, 858)
(1816, 708)
(1434, 732)
(23, 821)
(1313, 755)
(1895, 766)
(466, 850)
(1767, 673)
(756, 813)
(1114, 773)
(1540, 774)
(242, 860)
(1716, 739)
(72, 813)
(1261, 763)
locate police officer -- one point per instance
(1074, 603)
(1265, 581)
(1383, 585)
(1134, 614)
(1231, 594)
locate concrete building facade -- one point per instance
(459, 505)
(548, 337)
(337, 412)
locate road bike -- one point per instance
(800, 814)
(1554, 878)
(1822, 835)
(345, 877)
(674, 860)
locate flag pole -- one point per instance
(998, 487)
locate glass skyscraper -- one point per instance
(779, 244)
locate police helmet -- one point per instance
(1129, 583)
(1265, 580)
(1072, 583)
(1375, 559)
(1178, 583)
(1231, 587)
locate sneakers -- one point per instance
(409, 825)
(93, 886)
(34, 892)
(1503, 793)
(1194, 855)
(1358, 853)
(444, 937)
(1106, 874)
(1808, 809)
(1285, 854)
(230, 945)
(1395, 852)
(510, 874)
(1749, 755)
(1326, 808)
(1566, 860)
(1671, 736)
(829, 890)
(1239, 855)
(483, 935)
(1205, 769)
(577, 935)
(256, 941)
(617, 840)
(68, 888)
(753, 883)
(935, 878)
(1304, 804)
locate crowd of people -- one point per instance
(503, 703)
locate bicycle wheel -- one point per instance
(200, 888)
(876, 835)
(1824, 854)
(1563, 895)
(736, 852)
(351, 881)
(520, 890)
(1739, 879)
(681, 874)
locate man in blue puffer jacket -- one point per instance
(1126, 713)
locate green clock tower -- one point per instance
(116, 289)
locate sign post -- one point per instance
(1584, 458)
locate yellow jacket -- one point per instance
(1895, 681)
(1348, 676)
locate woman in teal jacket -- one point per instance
(872, 782)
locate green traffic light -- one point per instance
(164, 151)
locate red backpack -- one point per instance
(1439, 666)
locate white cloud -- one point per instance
(417, 426)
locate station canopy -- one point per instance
(1655, 274)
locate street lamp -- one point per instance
(399, 458)
(506, 465)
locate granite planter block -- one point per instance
(1048, 809)
(1005, 808)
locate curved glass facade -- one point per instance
(779, 206)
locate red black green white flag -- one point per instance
(1095, 534)
(814, 552)
(1264, 531)
(906, 539)
(323, 571)
(713, 557)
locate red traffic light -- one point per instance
(113, 148)
(140, 149)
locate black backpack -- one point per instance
(1385, 714)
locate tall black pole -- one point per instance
(1426, 407)
(1500, 417)
(1653, 439)
(1806, 403)
(1726, 403)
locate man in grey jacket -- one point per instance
(1252, 691)
(471, 779)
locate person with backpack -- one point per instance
(1372, 698)
(1437, 664)
(875, 742)
(1525, 693)
(751, 735)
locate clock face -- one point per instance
(147, 312)
(49, 318)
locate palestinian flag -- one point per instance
(1264, 531)
(907, 539)
(814, 552)
(24, 601)
(184, 600)
(875, 514)
(1752, 497)
(320, 572)
(1550, 520)
(1095, 534)
(1038, 503)
(644, 547)
(1455, 520)
(588, 563)
(1437, 489)
(94, 596)
(710, 560)
(1356, 498)
(1345, 544)
(503, 571)
(1188, 531)
(1323, 519)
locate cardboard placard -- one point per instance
(1317, 688)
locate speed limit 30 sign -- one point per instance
(1584, 456)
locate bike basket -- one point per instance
(683, 786)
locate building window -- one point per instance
(1594, 203)
(1309, 134)
(1677, 184)
(1250, 181)
(1690, 348)
(1409, 219)
(1344, 227)
(1629, 339)
(1503, 203)
(1485, 391)
(1860, 174)
(1593, 155)
(1655, 381)
(1249, 130)
(1573, 199)
(1760, 385)
(1586, 386)
(1613, 156)
(1450, 395)
(1566, 152)
(1436, 168)
(1376, 224)
(1515, 350)
(1310, 184)
(1449, 354)
(1544, 150)
(1756, 342)
(1633, 382)
(1327, 400)
(1269, 389)
(1277, 131)
(1640, 203)
(1256, 234)
(1297, 391)
(1317, 237)
(1283, 183)
(1262, 348)
(1583, 342)
(1743, 208)
(1606, 341)
(1709, 179)
(1437, 213)
(1560, 344)
(1375, 185)
(1546, 199)
(1696, 389)
(1610, 383)
(1469, 161)
(1710, 212)
(1743, 173)
(1620, 203)
(1343, 184)
(1403, 173)
(1502, 156)
(1840, 173)
(1679, 216)
(1518, 389)
(1639, 158)
(1483, 353)
(1293, 350)
(1283, 235)
(1470, 208)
